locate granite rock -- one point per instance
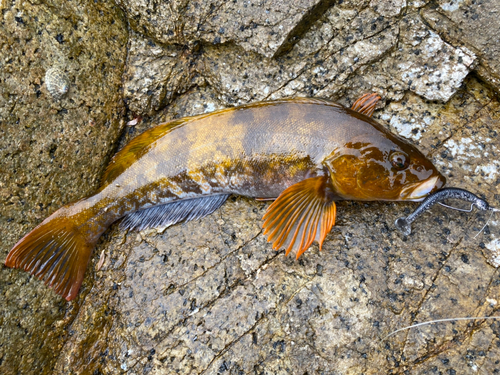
(211, 296)
(473, 25)
(267, 27)
(154, 75)
(52, 149)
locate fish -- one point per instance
(303, 153)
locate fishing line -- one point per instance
(403, 224)
(489, 208)
(456, 208)
(440, 321)
(493, 210)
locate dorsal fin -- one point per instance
(366, 104)
(136, 148)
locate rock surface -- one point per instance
(474, 26)
(266, 27)
(53, 150)
(211, 296)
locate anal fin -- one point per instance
(303, 213)
(366, 104)
(171, 213)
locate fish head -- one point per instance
(382, 167)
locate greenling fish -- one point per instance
(304, 154)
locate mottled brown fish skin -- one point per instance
(256, 150)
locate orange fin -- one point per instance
(302, 214)
(366, 104)
(55, 252)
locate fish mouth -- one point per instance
(417, 192)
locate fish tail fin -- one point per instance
(57, 252)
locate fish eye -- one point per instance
(399, 160)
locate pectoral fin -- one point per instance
(302, 214)
(366, 104)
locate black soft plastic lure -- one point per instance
(404, 223)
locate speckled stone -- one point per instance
(51, 151)
(473, 25)
(211, 296)
(269, 27)
(155, 75)
(436, 69)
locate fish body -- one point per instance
(305, 153)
